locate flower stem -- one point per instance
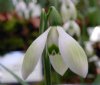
(46, 62)
(47, 68)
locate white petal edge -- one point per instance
(72, 53)
(58, 64)
(33, 54)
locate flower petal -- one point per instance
(95, 36)
(52, 37)
(72, 53)
(58, 64)
(72, 28)
(33, 54)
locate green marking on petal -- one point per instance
(53, 48)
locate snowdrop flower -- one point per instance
(34, 9)
(72, 28)
(31, 8)
(95, 36)
(89, 48)
(64, 52)
(68, 10)
(15, 2)
(21, 9)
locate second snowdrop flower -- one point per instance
(72, 28)
(68, 10)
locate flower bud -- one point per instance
(54, 17)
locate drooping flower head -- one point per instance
(31, 9)
(72, 28)
(68, 10)
(64, 52)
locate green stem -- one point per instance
(49, 11)
(42, 21)
(46, 62)
(47, 68)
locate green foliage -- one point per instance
(97, 80)
(16, 35)
(43, 21)
(9, 25)
(94, 17)
(6, 6)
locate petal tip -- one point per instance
(62, 73)
(83, 73)
(24, 74)
(84, 76)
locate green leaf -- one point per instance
(6, 6)
(43, 21)
(94, 17)
(97, 80)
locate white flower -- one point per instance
(95, 36)
(15, 2)
(72, 28)
(30, 10)
(88, 48)
(22, 10)
(66, 53)
(35, 9)
(68, 10)
(21, 6)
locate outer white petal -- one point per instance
(33, 54)
(72, 53)
(58, 64)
